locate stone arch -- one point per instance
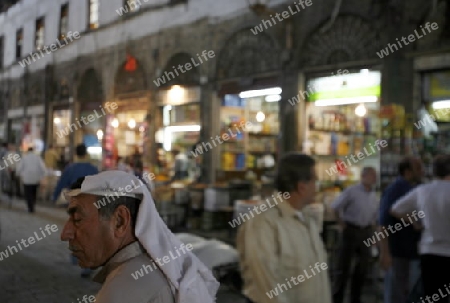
(191, 77)
(90, 89)
(246, 54)
(130, 77)
(351, 38)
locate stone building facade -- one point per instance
(321, 38)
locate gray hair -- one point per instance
(108, 209)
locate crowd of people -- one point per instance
(278, 246)
(282, 255)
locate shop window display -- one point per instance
(252, 117)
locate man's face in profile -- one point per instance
(307, 189)
(90, 237)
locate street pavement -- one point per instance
(42, 272)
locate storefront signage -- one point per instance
(345, 86)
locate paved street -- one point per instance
(42, 272)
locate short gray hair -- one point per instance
(107, 210)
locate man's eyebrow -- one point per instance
(72, 210)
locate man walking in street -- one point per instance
(31, 170)
(356, 209)
(398, 253)
(279, 245)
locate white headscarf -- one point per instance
(192, 280)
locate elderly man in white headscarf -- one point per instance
(114, 224)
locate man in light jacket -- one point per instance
(282, 256)
(31, 170)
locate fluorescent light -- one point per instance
(441, 104)
(261, 92)
(95, 150)
(273, 98)
(167, 143)
(344, 101)
(187, 128)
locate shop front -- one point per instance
(125, 133)
(342, 129)
(249, 91)
(179, 125)
(249, 119)
(124, 141)
(342, 120)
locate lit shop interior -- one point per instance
(249, 151)
(125, 136)
(61, 119)
(436, 97)
(342, 127)
(252, 117)
(179, 125)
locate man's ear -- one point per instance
(122, 220)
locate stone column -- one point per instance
(288, 116)
(209, 117)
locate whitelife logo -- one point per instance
(301, 278)
(168, 76)
(398, 227)
(341, 164)
(225, 137)
(411, 38)
(86, 299)
(31, 240)
(161, 261)
(120, 192)
(243, 217)
(111, 107)
(10, 161)
(53, 48)
(428, 119)
(265, 24)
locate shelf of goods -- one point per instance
(254, 141)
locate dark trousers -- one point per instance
(352, 247)
(31, 195)
(435, 277)
(404, 275)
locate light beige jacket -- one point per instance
(119, 284)
(277, 245)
